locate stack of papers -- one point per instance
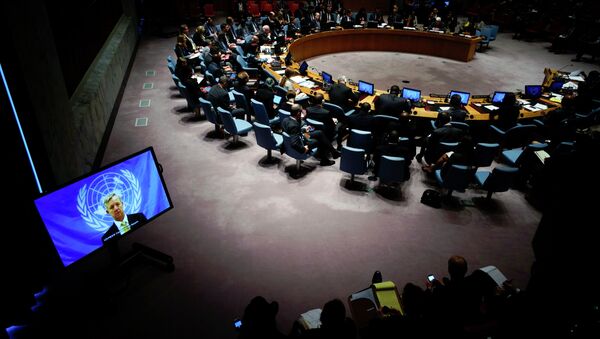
(576, 78)
(308, 84)
(410, 28)
(523, 101)
(570, 85)
(444, 108)
(540, 106)
(491, 107)
(531, 108)
(299, 78)
(280, 72)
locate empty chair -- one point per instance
(361, 139)
(497, 180)
(260, 113)
(232, 125)
(169, 59)
(289, 150)
(455, 178)
(337, 111)
(512, 156)
(517, 136)
(485, 34)
(353, 161)
(210, 114)
(485, 154)
(240, 51)
(266, 139)
(493, 31)
(391, 169)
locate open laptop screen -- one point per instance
(303, 67)
(413, 95)
(498, 97)
(533, 91)
(464, 96)
(365, 87)
(327, 78)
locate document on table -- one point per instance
(491, 107)
(299, 78)
(531, 108)
(308, 84)
(280, 72)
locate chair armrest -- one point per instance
(350, 112)
(497, 131)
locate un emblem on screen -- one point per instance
(90, 200)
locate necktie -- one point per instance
(125, 226)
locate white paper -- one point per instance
(298, 79)
(491, 107)
(570, 85)
(495, 274)
(280, 72)
(444, 108)
(410, 28)
(540, 106)
(576, 78)
(523, 102)
(531, 108)
(311, 319)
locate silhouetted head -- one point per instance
(333, 314)
(457, 267)
(395, 90)
(455, 101)
(443, 118)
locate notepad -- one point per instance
(280, 72)
(444, 108)
(491, 107)
(387, 295)
(542, 155)
(495, 273)
(540, 106)
(531, 108)
(311, 319)
(298, 78)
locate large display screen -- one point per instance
(103, 206)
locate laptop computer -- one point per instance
(533, 91)
(498, 97)
(414, 95)
(303, 68)
(464, 96)
(365, 89)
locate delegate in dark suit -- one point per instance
(446, 133)
(341, 95)
(135, 220)
(319, 113)
(391, 104)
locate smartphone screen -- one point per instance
(431, 277)
(237, 323)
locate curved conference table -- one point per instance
(449, 46)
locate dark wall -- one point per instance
(80, 28)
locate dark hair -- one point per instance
(317, 99)
(457, 267)
(365, 106)
(290, 94)
(333, 314)
(510, 99)
(455, 100)
(295, 109)
(443, 118)
(395, 89)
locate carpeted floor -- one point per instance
(240, 229)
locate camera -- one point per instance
(430, 278)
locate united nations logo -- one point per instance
(90, 202)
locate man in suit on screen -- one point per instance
(122, 223)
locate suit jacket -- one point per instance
(392, 105)
(219, 97)
(292, 127)
(135, 220)
(342, 96)
(446, 133)
(321, 114)
(457, 114)
(266, 96)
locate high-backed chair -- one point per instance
(283, 114)
(456, 178)
(252, 72)
(260, 113)
(337, 111)
(493, 31)
(517, 136)
(497, 180)
(289, 150)
(210, 78)
(512, 156)
(171, 67)
(485, 34)
(210, 114)
(361, 139)
(353, 161)
(462, 125)
(232, 125)
(391, 169)
(485, 153)
(281, 91)
(266, 139)
(444, 147)
(241, 102)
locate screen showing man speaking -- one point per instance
(104, 206)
